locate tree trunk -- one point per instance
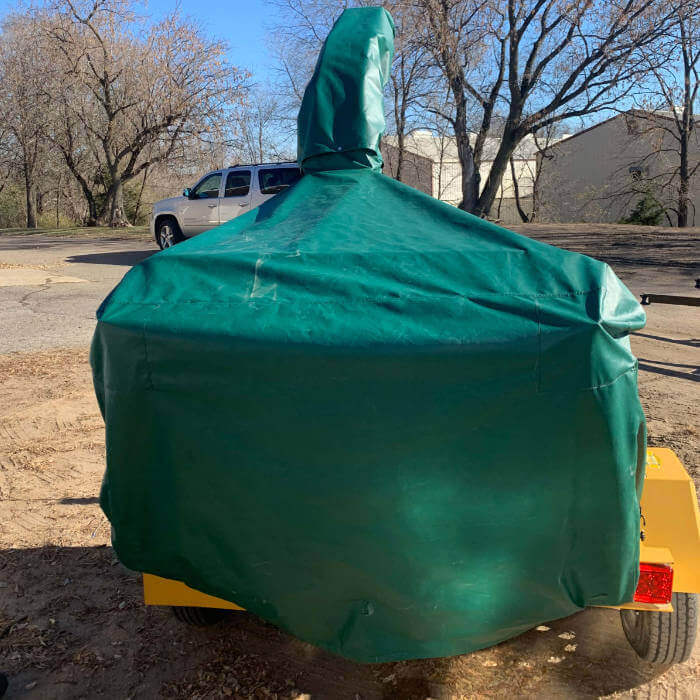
(498, 168)
(58, 195)
(683, 188)
(470, 180)
(260, 140)
(539, 164)
(516, 192)
(138, 201)
(400, 119)
(92, 209)
(85, 188)
(399, 157)
(30, 189)
(115, 197)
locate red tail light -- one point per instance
(655, 584)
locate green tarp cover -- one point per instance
(385, 425)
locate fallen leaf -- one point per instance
(555, 659)
(543, 628)
(567, 635)
(570, 647)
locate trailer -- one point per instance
(660, 622)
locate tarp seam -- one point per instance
(149, 376)
(407, 297)
(578, 390)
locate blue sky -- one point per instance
(242, 23)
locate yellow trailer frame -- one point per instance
(670, 527)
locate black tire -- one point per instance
(663, 638)
(168, 232)
(199, 617)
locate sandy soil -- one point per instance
(72, 622)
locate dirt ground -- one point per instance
(72, 621)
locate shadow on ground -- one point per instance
(122, 257)
(690, 342)
(79, 501)
(693, 376)
(72, 624)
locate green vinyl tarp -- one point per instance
(382, 424)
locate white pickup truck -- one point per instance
(218, 197)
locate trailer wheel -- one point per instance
(198, 617)
(663, 638)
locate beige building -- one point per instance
(431, 164)
(601, 173)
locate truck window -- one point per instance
(207, 188)
(274, 180)
(237, 183)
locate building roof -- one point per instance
(424, 142)
(663, 113)
(435, 148)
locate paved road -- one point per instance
(50, 287)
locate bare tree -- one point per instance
(685, 121)
(300, 28)
(539, 62)
(454, 32)
(7, 156)
(22, 71)
(128, 94)
(669, 119)
(410, 82)
(261, 138)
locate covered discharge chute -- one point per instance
(389, 427)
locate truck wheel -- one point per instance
(663, 638)
(168, 232)
(199, 617)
